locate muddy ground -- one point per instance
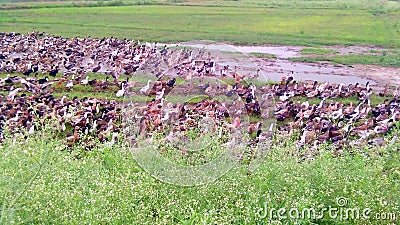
(274, 68)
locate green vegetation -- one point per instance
(317, 51)
(392, 60)
(43, 184)
(7, 4)
(243, 25)
(374, 6)
(264, 55)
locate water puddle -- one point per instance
(274, 69)
(310, 72)
(283, 52)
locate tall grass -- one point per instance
(43, 182)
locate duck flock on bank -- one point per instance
(28, 101)
(330, 119)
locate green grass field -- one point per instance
(383, 60)
(242, 25)
(43, 184)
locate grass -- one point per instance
(43, 184)
(242, 25)
(374, 6)
(264, 55)
(317, 51)
(389, 60)
(73, 3)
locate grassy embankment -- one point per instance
(42, 184)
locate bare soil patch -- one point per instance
(274, 68)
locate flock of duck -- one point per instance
(29, 102)
(332, 120)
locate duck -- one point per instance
(171, 82)
(104, 84)
(121, 92)
(53, 72)
(337, 114)
(72, 137)
(262, 137)
(396, 93)
(363, 127)
(307, 136)
(69, 84)
(97, 68)
(166, 117)
(253, 128)
(384, 126)
(160, 95)
(29, 86)
(85, 81)
(92, 82)
(28, 71)
(336, 133)
(146, 88)
(12, 93)
(43, 80)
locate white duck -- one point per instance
(146, 88)
(13, 93)
(69, 84)
(121, 92)
(85, 81)
(160, 95)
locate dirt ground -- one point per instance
(274, 68)
(382, 75)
